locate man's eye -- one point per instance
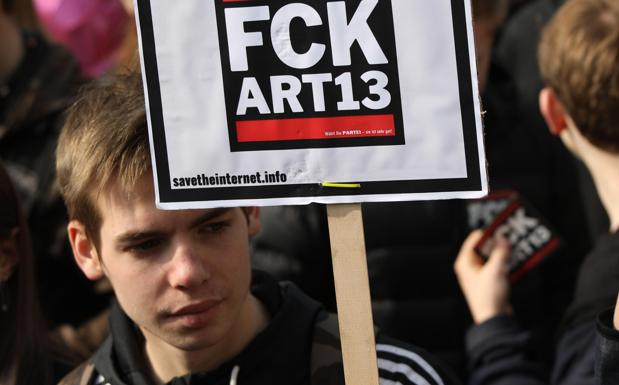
(214, 228)
(145, 246)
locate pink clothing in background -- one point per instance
(92, 29)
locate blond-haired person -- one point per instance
(189, 308)
(579, 61)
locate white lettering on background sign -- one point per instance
(310, 72)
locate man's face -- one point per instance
(182, 276)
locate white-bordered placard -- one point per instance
(261, 102)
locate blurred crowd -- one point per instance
(52, 317)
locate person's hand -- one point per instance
(616, 317)
(485, 286)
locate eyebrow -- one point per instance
(137, 236)
(210, 215)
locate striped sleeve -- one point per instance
(400, 366)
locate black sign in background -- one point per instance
(539, 252)
(263, 63)
(168, 195)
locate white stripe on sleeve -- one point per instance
(413, 357)
(404, 369)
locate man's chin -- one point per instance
(193, 340)
(183, 338)
(193, 346)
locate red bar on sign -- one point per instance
(315, 128)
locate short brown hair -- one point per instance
(579, 59)
(104, 140)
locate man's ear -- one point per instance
(84, 251)
(552, 110)
(253, 219)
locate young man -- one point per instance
(579, 61)
(189, 309)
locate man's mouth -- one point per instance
(196, 314)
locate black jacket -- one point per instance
(32, 106)
(607, 354)
(283, 353)
(498, 349)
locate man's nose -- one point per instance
(188, 268)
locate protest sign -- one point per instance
(262, 102)
(530, 236)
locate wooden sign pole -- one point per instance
(352, 292)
